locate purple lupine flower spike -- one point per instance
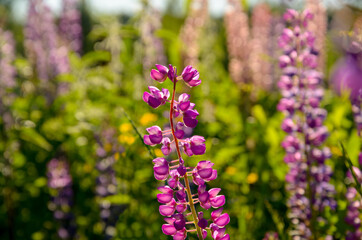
(178, 204)
(70, 26)
(60, 180)
(301, 91)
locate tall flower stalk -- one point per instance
(60, 183)
(319, 28)
(179, 204)
(354, 211)
(261, 45)
(190, 32)
(106, 183)
(238, 36)
(308, 178)
(70, 26)
(42, 43)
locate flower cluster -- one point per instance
(237, 32)
(60, 182)
(261, 46)
(106, 182)
(353, 217)
(70, 25)
(308, 177)
(153, 50)
(7, 76)
(41, 42)
(178, 202)
(271, 236)
(7, 53)
(194, 24)
(319, 29)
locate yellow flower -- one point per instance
(147, 118)
(125, 127)
(158, 152)
(126, 138)
(116, 156)
(252, 178)
(230, 170)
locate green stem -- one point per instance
(188, 189)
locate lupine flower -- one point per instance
(191, 31)
(156, 97)
(7, 77)
(177, 202)
(237, 33)
(261, 45)
(191, 76)
(271, 236)
(7, 53)
(160, 74)
(41, 42)
(304, 124)
(60, 180)
(318, 27)
(70, 26)
(152, 46)
(106, 183)
(353, 217)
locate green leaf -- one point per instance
(96, 58)
(32, 136)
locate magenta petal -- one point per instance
(157, 76)
(223, 220)
(166, 210)
(192, 114)
(159, 161)
(190, 122)
(184, 105)
(217, 201)
(194, 83)
(203, 197)
(205, 173)
(156, 139)
(180, 235)
(184, 97)
(220, 232)
(154, 130)
(215, 214)
(154, 102)
(165, 189)
(147, 140)
(214, 192)
(204, 233)
(213, 176)
(168, 229)
(161, 170)
(179, 134)
(206, 205)
(146, 95)
(204, 164)
(162, 69)
(181, 208)
(226, 237)
(160, 177)
(198, 149)
(164, 198)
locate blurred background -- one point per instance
(72, 73)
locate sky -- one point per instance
(216, 7)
